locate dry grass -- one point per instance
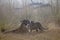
(53, 34)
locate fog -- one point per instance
(13, 11)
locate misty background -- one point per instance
(43, 11)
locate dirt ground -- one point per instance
(53, 34)
(49, 35)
